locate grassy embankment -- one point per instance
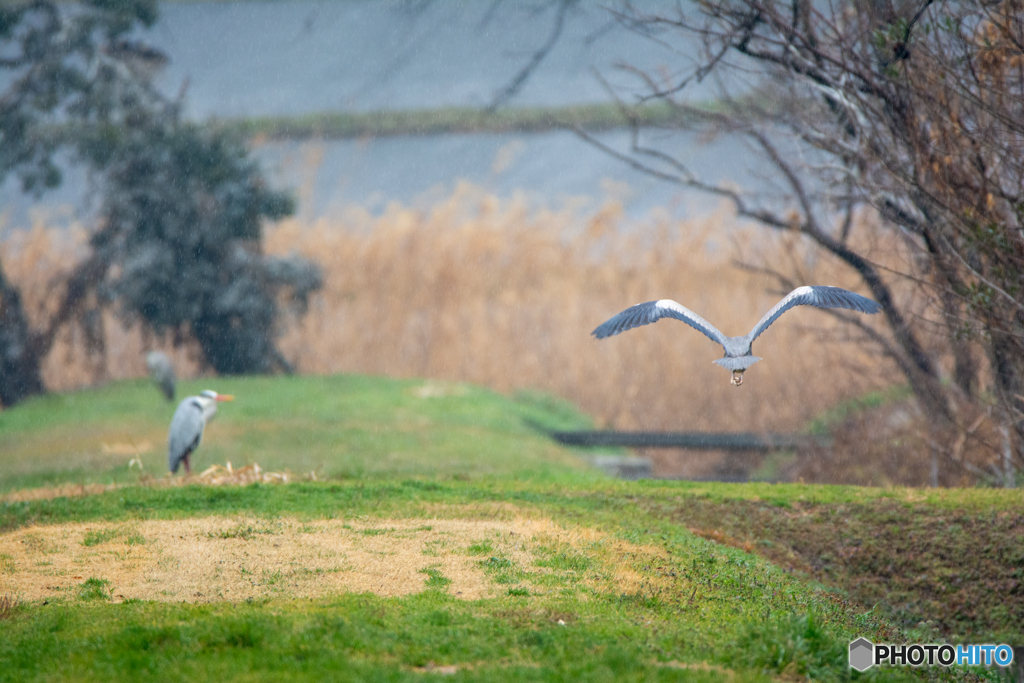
(454, 120)
(339, 427)
(484, 552)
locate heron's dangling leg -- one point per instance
(188, 466)
(737, 378)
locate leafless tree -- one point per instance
(911, 110)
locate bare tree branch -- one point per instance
(517, 82)
(918, 110)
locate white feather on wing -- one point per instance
(653, 311)
(822, 297)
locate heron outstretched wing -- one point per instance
(822, 297)
(653, 311)
(186, 431)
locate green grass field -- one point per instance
(500, 556)
(341, 427)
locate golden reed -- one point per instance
(500, 293)
(497, 293)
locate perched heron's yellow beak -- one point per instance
(225, 397)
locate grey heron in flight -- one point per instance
(738, 356)
(187, 426)
(161, 370)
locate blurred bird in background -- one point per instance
(161, 371)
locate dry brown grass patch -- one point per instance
(236, 558)
(217, 558)
(638, 569)
(221, 558)
(62, 491)
(622, 567)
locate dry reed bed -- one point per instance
(498, 293)
(491, 292)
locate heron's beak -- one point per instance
(225, 397)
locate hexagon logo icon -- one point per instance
(862, 653)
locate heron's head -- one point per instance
(210, 393)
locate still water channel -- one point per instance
(301, 56)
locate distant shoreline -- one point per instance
(453, 120)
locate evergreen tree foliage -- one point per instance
(178, 247)
(183, 211)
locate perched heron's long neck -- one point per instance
(209, 408)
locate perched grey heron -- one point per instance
(187, 426)
(738, 355)
(161, 370)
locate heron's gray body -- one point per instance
(738, 356)
(162, 371)
(187, 427)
